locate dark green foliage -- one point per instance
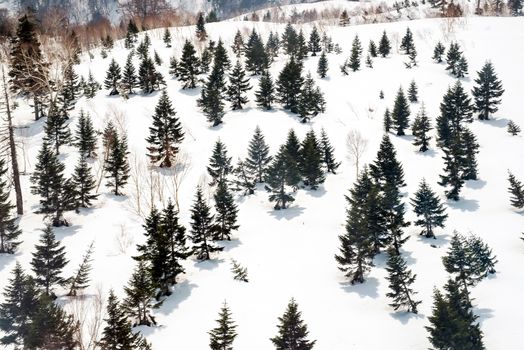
(420, 128)
(113, 77)
(327, 153)
(470, 148)
(91, 87)
(202, 228)
(9, 231)
(344, 19)
(311, 161)
(205, 59)
(461, 68)
(438, 52)
(311, 100)
(453, 175)
(165, 134)
(387, 170)
(272, 46)
(200, 31)
(289, 85)
(407, 45)
(131, 35)
(239, 272)
(292, 331)
(139, 298)
(149, 79)
(70, 86)
(372, 49)
(429, 210)
(257, 61)
(238, 44)
(413, 92)
(129, 78)
(314, 42)
(238, 86)
(369, 62)
(117, 165)
(188, 67)
(219, 163)
(243, 179)
(167, 37)
(282, 172)
(221, 58)
(258, 158)
(323, 65)
(517, 191)
(400, 114)
(56, 129)
(222, 337)
(301, 48)
(173, 67)
(381, 94)
(488, 91)
(85, 137)
(265, 95)
(384, 46)
(211, 97)
(226, 212)
(80, 279)
(356, 53)
(513, 128)
(83, 184)
(456, 63)
(393, 211)
(400, 280)
(48, 261)
(515, 7)
(388, 123)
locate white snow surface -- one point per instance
(290, 253)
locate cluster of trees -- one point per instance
(354, 61)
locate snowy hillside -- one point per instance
(290, 253)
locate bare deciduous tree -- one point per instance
(356, 145)
(88, 311)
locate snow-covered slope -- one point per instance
(290, 253)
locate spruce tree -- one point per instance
(257, 60)
(113, 76)
(221, 58)
(323, 65)
(388, 123)
(265, 95)
(91, 87)
(70, 86)
(387, 170)
(202, 228)
(238, 44)
(453, 175)
(292, 331)
(129, 77)
(80, 280)
(166, 38)
(344, 19)
(461, 68)
(173, 67)
(289, 85)
(117, 165)
(211, 97)
(131, 34)
(393, 211)
(327, 153)
(369, 62)
(243, 179)
(48, 261)
(289, 40)
(222, 337)
(165, 134)
(311, 100)
(226, 212)
(515, 7)
(314, 42)
(513, 128)
(517, 191)
(188, 67)
(438, 52)
(84, 184)
(85, 136)
(356, 53)
(301, 48)
(272, 46)
(400, 280)
(429, 210)
(407, 44)
(219, 163)
(238, 86)
(400, 114)
(258, 158)
(56, 129)
(149, 79)
(9, 230)
(470, 148)
(420, 128)
(488, 91)
(139, 298)
(200, 31)
(384, 46)
(282, 172)
(413, 92)
(372, 49)
(311, 161)
(239, 272)
(456, 63)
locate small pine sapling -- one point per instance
(239, 271)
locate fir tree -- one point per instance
(131, 34)
(400, 280)
(257, 60)
(173, 67)
(387, 170)
(221, 58)
(438, 52)
(314, 42)
(70, 86)
(311, 100)
(238, 44)
(462, 67)
(258, 158)
(205, 59)
(165, 134)
(219, 163)
(311, 161)
(84, 184)
(80, 280)
(393, 211)
(48, 261)
(85, 137)
(301, 48)
(289, 85)
(113, 77)
(238, 86)
(91, 87)
(384, 46)
(200, 31)
(272, 46)
(202, 228)
(456, 63)
(292, 147)
(323, 65)
(292, 331)
(356, 53)
(488, 91)
(282, 172)
(56, 129)
(517, 191)
(222, 337)
(407, 44)
(9, 230)
(117, 165)
(167, 37)
(453, 175)
(420, 129)
(513, 128)
(243, 179)
(139, 297)
(327, 153)
(149, 79)
(413, 92)
(369, 62)
(388, 123)
(188, 67)
(429, 210)
(470, 148)
(239, 272)
(372, 49)
(109, 137)
(400, 114)
(129, 78)
(211, 98)
(265, 95)
(381, 94)
(344, 19)
(226, 212)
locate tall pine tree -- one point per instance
(429, 210)
(202, 228)
(292, 331)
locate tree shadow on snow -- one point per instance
(287, 214)
(367, 289)
(476, 184)
(319, 192)
(465, 204)
(190, 92)
(180, 292)
(208, 264)
(429, 153)
(437, 242)
(498, 123)
(228, 245)
(404, 316)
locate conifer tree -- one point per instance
(200, 32)
(384, 46)
(453, 175)
(388, 123)
(400, 280)
(238, 86)
(323, 65)
(219, 163)
(165, 134)
(80, 279)
(222, 337)
(393, 211)
(470, 148)
(282, 172)
(413, 92)
(91, 87)
(139, 297)
(113, 77)
(243, 179)
(292, 147)
(257, 60)
(311, 100)
(429, 210)
(166, 38)
(265, 95)
(513, 128)
(173, 67)
(70, 86)
(407, 44)
(202, 228)
(272, 46)
(292, 331)
(462, 67)
(517, 191)
(438, 52)
(109, 136)
(85, 137)
(387, 170)
(9, 230)
(311, 161)
(289, 40)
(56, 129)
(400, 114)
(226, 212)
(149, 79)
(302, 48)
(487, 92)
(239, 272)
(456, 63)
(344, 19)
(356, 53)
(211, 98)
(48, 261)
(515, 7)
(369, 62)
(129, 77)
(289, 85)
(238, 44)
(188, 67)
(314, 42)
(131, 35)
(84, 184)
(221, 58)
(372, 49)
(258, 158)
(117, 165)
(420, 129)
(381, 94)
(327, 151)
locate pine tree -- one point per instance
(238, 86)
(139, 297)
(369, 62)
(165, 134)
(344, 19)
(462, 67)
(202, 228)
(311, 161)
(243, 179)
(84, 184)
(393, 211)
(188, 67)
(314, 42)
(323, 65)
(400, 280)
(131, 35)
(222, 337)
(407, 44)
(173, 67)
(211, 98)
(438, 52)
(167, 37)
(400, 114)
(513, 128)
(85, 138)
(517, 191)
(91, 87)
(282, 172)
(219, 163)
(200, 31)
(311, 100)
(149, 79)
(80, 280)
(221, 58)
(372, 49)
(258, 158)
(226, 212)
(9, 230)
(70, 86)
(420, 129)
(384, 46)
(48, 261)
(257, 60)
(238, 44)
(388, 123)
(356, 53)
(289, 85)
(413, 92)
(387, 170)
(117, 165)
(265, 95)
(113, 77)
(129, 78)
(239, 272)
(56, 129)
(292, 331)
(429, 210)
(470, 148)
(327, 153)
(488, 91)
(515, 7)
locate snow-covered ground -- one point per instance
(290, 253)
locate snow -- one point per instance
(290, 253)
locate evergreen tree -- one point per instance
(388, 123)
(369, 62)
(48, 261)
(302, 48)
(129, 78)
(289, 85)
(91, 87)
(257, 60)
(429, 210)
(239, 272)
(381, 94)
(113, 77)
(513, 128)
(456, 63)
(393, 211)
(167, 37)
(9, 230)
(344, 19)
(200, 32)
(356, 53)
(84, 184)
(282, 172)
(311, 101)
(238, 86)
(221, 58)
(372, 49)
(202, 228)
(219, 163)
(131, 35)
(387, 170)
(327, 153)
(56, 129)
(384, 46)
(109, 136)
(149, 79)
(420, 129)
(400, 114)
(211, 98)
(290, 40)
(272, 46)
(470, 148)
(265, 95)
(117, 165)
(453, 175)
(323, 65)
(314, 42)
(188, 67)
(292, 331)
(173, 67)
(226, 212)
(413, 92)
(238, 44)
(139, 297)
(244, 180)
(222, 337)
(400, 280)
(80, 280)
(85, 138)
(407, 44)
(515, 7)
(165, 134)
(517, 191)
(488, 91)
(462, 67)
(258, 158)
(70, 86)
(292, 147)
(311, 161)
(438, 52)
